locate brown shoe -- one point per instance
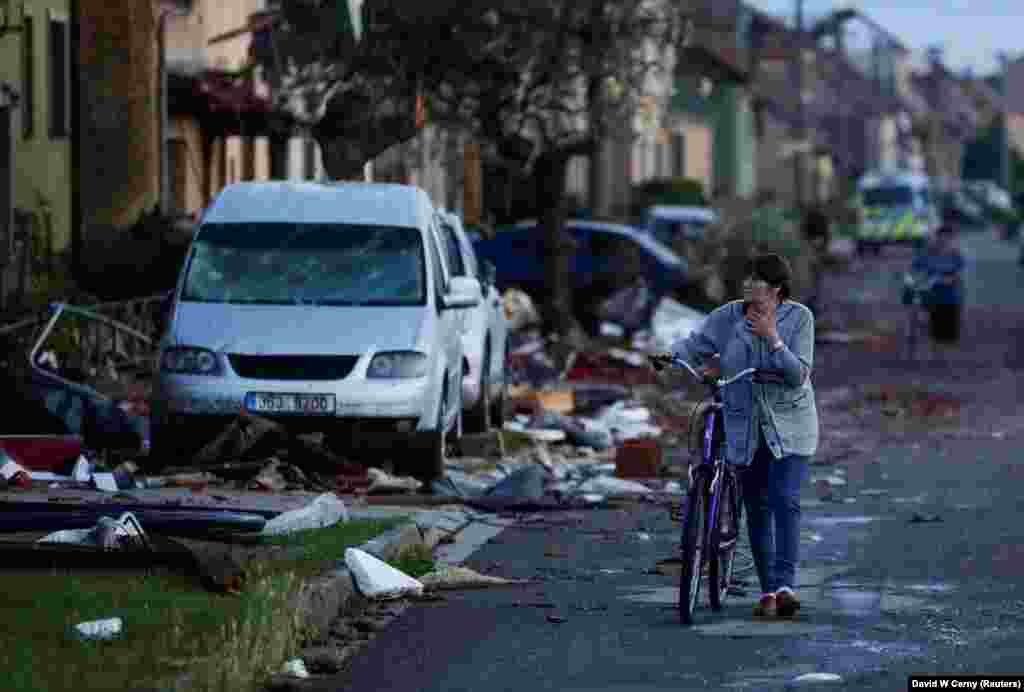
(786, 603)
(766, 607)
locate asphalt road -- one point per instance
(923, 573)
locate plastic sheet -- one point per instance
(326, 510)
(376, 579)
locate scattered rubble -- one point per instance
(376, 579)
(454, 577)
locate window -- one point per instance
(440, 283)
(28, 78)
(306, 264)
(678, 154)
(458, 268)
(60, 72)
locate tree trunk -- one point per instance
(549, 179)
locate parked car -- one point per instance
(668, 224)
(325, 307)
(607, 257)
(485, 335)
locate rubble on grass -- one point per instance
(455, 577)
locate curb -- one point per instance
(325, 598)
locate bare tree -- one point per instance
(539, 81)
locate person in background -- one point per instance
(815, 230)
(771, 429)
(942, 261)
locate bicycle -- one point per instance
(916, 293)
(711, 512)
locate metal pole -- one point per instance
(798, 157)
(164, 192)
(1004, 153)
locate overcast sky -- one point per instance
(972, 32)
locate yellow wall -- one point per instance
(698, 163)
(188, 130)
(1016, 130)
(42, 166)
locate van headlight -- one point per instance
(398, 365)
(187, 360)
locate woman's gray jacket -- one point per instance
(786, 413)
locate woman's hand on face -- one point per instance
(762, 321)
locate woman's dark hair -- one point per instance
(775, 270)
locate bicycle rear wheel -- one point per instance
(694, 530)
(725, 534)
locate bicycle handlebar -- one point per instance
(660, 362)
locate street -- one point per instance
(919, 571)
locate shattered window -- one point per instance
(306, 264)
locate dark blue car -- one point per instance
(607, 257)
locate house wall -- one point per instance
(41, 162)
(188, 130)
(697, 157)
(188, 46)
(774, 169)
(888, 140)
(1015, 126)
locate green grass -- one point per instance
(316, 548)
(171, 625)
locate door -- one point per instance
(449, 336)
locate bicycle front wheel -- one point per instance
(725, 534)
(694, 529)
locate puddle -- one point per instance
(865, 603)
(841, 521)
(932, 588)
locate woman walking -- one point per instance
(771, 430)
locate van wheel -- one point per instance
(478, 419)
(437, 449)
(498, 405)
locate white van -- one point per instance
(326, 307)
(897, 208)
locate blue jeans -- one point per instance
(771, 494)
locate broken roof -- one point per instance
(226, 104)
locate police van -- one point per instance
(896, 208)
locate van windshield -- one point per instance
(306, 264)
(892, 196)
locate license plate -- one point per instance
(259, 402)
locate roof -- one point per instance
(277, 201)
(223, 103)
